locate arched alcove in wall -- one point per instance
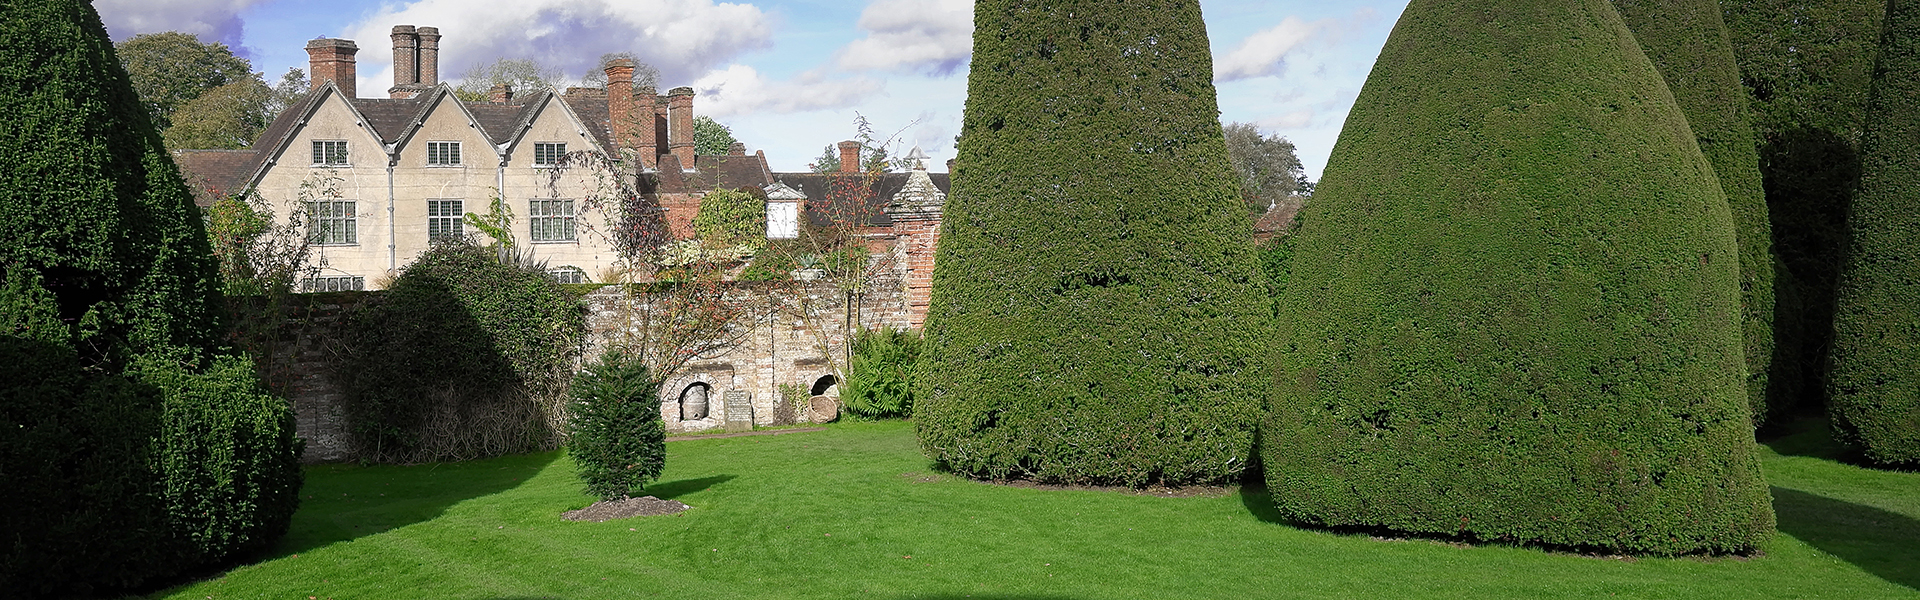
(694, 401)
(824, 384)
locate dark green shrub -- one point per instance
(615, 435)
(1688, 42)
(227, 455)
(1875, 381)
(880, 376)
(1806, 66)
(80, 508)
(730, 218)
(1515, 314)
(89, 197)
(463, 357)
(1097, 308)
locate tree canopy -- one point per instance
(711, 138)
(1267, 166)
(170, 69)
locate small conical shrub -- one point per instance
(1515, 315)
(615, 435)
(1874, 384)
(1687, 41)
(1097, 307)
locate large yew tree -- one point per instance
(1516, 312)
(1097, 312)
(1874, 384)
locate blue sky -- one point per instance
(789, 76)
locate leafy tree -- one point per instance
(1097, 312)
(521, 74)
(292, 86)
(615, 436)
(1515, 313)
(644, 75)
(1267, 167)
(711, 138)
(228, 117)
(1687, 41)
(1875, 379)
(1806, 66)
(729, 218)
(170, 69)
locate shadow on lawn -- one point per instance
(1883, 543)
(676, 489)
(987, 597)
(346, 502)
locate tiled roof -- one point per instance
(214, 174)
(391, 118)
(1279, 218)
(829, 200)
(591, 106)
(714, 173)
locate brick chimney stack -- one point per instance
(501, 93)
(680, 125)
(406, 62)
(332, 60)
(849, 157)
(737, 149)
(647, 127)
(428, 72)
(620, 117)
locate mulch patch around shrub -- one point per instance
(608, 510)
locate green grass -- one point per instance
(837, 513)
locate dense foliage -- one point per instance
(1687, 41)
(1875, 381)
(1097, 311)
(1806, 65)
(711, 138)
(880, 376)
(138, 448)
(615, 435)
(1268, 168)
(171, 69)
(729, 218)
(1516, 313)
(227, 456)
(464, 356)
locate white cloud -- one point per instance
(932, 36)
(740, 89)
(211, 20)
(1265, 52)
(682, 38)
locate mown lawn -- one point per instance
(852, 512)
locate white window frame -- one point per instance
(552, 220)
(440, 148)
(569, 275)
(444, 224)
(323, 155)
(553, 160)
(333, 223)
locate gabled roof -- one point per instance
(712, 173)
(275, 139)
(214, 174)
(827, 204)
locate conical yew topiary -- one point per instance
(1874, 384)
(1516, 313)
(1097, 310)
(1687, 41)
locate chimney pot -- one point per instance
(428, 73)
(849, 156)
(332, 60)
(406, 62)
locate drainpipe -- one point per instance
(393, 259)
(500, 177)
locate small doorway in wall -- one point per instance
(824, 384)
(693, 401)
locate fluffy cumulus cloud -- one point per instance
(682, 38)
(1265, 52)
(927, 36)
(211, 20)
(740, 89)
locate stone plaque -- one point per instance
(739, 411)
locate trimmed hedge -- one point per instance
(1516, 313)
(1688, 42)
(1806, 66)
(1097, 308)
(91, 198)
(615, 435)
(1875, 378)
(463, 357)
(880, 376)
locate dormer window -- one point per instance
(329, 153)
(443, 154)
(547, 154)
